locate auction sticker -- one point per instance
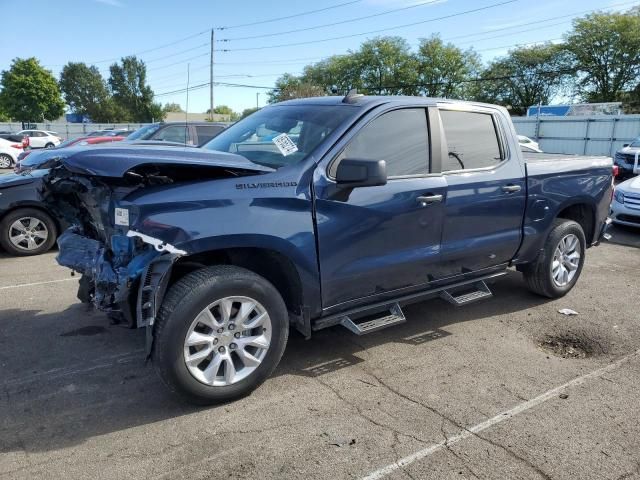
(285, 144)
(122, 217)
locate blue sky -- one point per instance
(100, 31)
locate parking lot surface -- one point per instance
(505, 388)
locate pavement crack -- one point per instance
(514, 455)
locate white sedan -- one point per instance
(41, 138)
(625, 208)
(9, 152)
(530, 145)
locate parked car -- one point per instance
(10, 148)
(530, 144)
(189, 133)
(41, 138)
(627, 160)
(625, 207)
(81, 141)
(111, 132)
(27, 226)
(380, 202)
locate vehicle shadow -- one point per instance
(54, 410)
(624, 235)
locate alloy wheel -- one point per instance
(227, 341)
(566, 260)
(28, 233)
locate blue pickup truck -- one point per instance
(373, 203)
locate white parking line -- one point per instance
(501, 417)
(37, 283)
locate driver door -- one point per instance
(376, 242)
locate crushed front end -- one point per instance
(112, 258)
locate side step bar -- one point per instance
(481, 291)
(394, 317)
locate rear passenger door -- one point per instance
(486, 191)
(379, 241)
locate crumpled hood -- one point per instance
(114, 160)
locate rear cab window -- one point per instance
(207, 132)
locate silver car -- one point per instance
(625, 208)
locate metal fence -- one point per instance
(71, 130)
(588, 135)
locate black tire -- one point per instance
(539, 275)
(5, 161)
(49, 145)
(184, 301)
(11, 217)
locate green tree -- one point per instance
(29, 92)
(85, 91)
(524, 77)
(386, 66)
(225, 110)
(605, 51)
(289, 87)
(128, 83)
(444, 69)
(248, 111)
(173, 107)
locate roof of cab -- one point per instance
(374, 101)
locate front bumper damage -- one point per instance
(126, 280)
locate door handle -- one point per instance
(425, 200)
(511, 188)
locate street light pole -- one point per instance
(257, 100)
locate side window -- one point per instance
(399, 137)
(172, 133)
(472, 140)
(207, 132)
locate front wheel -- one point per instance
(49, 145)
(27, 231)
(5, 161)
(220, 332)
(558, 267)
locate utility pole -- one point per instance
(257, 100)
(211, 77)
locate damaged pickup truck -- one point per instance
(315, 213)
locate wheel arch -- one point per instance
(34, 206)
(584, 214)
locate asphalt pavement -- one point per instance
(504, 388)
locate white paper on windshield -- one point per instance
(285, 144)
(122, 217)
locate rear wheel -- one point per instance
(219, 334)
(27, 231)
(5, 161)
(560, 263)
(49, 145)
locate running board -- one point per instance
(394, 317)
(481, 291)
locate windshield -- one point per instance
(144, 132)
(280, 135)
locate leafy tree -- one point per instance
(128, 83)
(248, 111)
(173, 107)
(85, 91)
(605, 50)
(3, 116)
(386, 66)
(444, 69)
(526, 76)
(289, 87)
(29, 92)
(225, 110)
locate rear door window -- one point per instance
(173, 133)
(472, 140)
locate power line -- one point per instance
(277, 19)
(342, 22)
(458, 14)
